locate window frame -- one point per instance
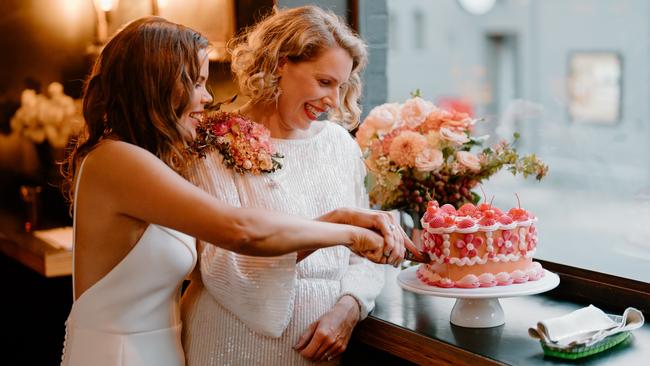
(577, 284)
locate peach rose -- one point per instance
(247, 164)
(434, 119)
(429, 160)
(459, 122)
(457, 138)
(415, 111)
(265, 161)
(468, 160)
(383, 117)
(364, 135)
(433, 139)
(380, 121)
(376, 149)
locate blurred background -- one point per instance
(49, 47)
(570, 75)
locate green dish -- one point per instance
(583, 351)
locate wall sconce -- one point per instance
(157, 5)
(215, 19)
(103, 9)
(477, 7)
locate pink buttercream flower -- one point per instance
(507, 243)
(415, 111)
(469, 245)
(429, 160)
(438, 244)
(406, 147)
(468, 160)
(530, 239)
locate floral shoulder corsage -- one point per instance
(244, 144)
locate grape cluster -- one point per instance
(443, 187)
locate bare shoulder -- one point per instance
(117, 152)
(114, 158)
(114, 167)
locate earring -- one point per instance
(277, 96)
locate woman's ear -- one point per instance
(282, 63)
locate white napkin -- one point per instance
(585, 327)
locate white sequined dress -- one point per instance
(251, 311)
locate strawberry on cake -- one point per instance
(478, 246)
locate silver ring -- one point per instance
(391, 227)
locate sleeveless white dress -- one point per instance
(131, 316)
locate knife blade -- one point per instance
(419, 258)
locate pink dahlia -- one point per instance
(406, 147)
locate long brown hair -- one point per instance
(137, 90)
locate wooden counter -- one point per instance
(31, 251)
(416, 328)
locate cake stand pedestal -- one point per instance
(477, 307)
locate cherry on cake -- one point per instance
(478, 246)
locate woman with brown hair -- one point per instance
(132, 205)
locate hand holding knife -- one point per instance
(413, 255)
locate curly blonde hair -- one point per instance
(297, 34)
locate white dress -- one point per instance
(251, 311)
(131, 316)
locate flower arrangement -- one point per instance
(416, 152)
(244, 144)
(55, 118)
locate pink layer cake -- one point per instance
(478, 246)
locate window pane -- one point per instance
(572, 78)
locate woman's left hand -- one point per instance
(395, 239)
(328, 337)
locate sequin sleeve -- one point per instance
(257, 290)
(363, 280)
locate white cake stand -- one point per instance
(478, 307)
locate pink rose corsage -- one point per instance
(244, 144)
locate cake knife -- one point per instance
(419, 257)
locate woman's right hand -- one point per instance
(394, 238)
(369, 244)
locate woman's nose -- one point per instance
(332, 99)
(207, 98)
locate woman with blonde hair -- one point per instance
(294, 309)
(131, 205)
